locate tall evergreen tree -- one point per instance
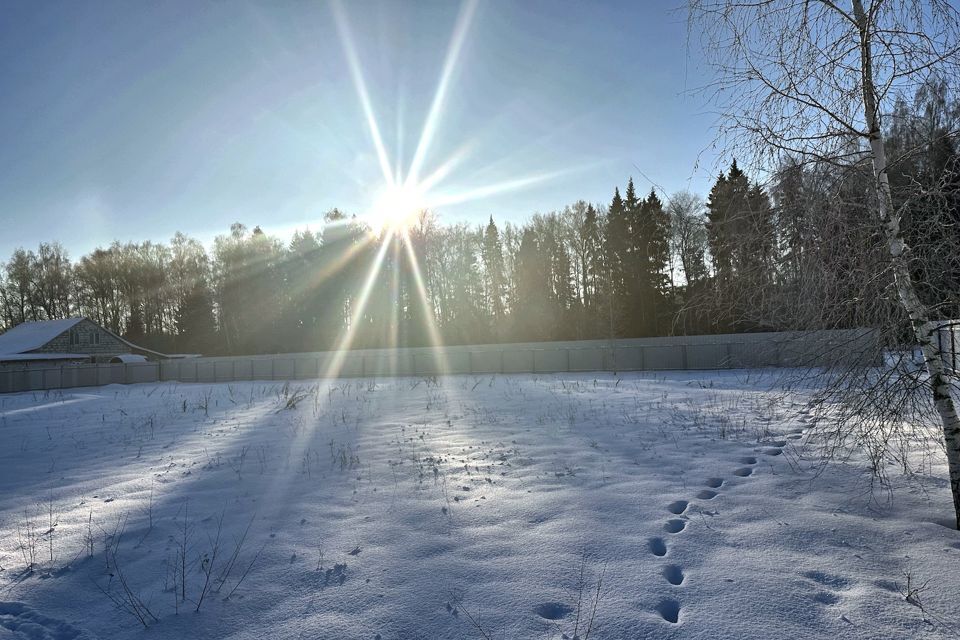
(492, 254)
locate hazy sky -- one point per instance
(132, 120)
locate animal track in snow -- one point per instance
(748, 460)
(675, 525)
(743, 472)
(778, 443)
(772, 451)
(706, 494)
(552, 610)
(669, 610)
(714, 483)
(23, 621)
(827, 580)
(677, 507)
(657, 546)
(674, 574)
(825, 597)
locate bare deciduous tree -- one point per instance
(815, 79)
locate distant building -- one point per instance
(71, 340)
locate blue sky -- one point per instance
(132, 120)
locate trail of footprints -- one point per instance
(669, 608)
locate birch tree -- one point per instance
(815, 79)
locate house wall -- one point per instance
(109, 345)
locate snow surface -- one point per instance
(466, 507)
(33, 335)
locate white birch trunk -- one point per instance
(919, 315)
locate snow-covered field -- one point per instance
(466, 507)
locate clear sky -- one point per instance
(131, 120)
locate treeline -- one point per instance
(799, 251)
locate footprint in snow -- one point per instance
(669, 610)
(675, 525)
(657, 546)
(778, 443)
(743, 472)
(714, 483)
(677, 507)
(747, 460)
(552, 610)
(22, 621)
(773, 451)
(706, 494)
(827, 579)
(674, 574)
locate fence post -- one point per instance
(470, 361)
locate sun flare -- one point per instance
(397, 207)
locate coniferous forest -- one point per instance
(792, 246)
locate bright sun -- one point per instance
(397, 207)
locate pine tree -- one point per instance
(492, 254)
(532, 274)
(655, 249)
(616, 238)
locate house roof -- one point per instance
(29, 336)
(33, 335)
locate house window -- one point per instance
(96, 337)
(74, 337)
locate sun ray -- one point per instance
(445, 168)
(465, 17)
(497, 188)
(337, 265)
(348, 334)
(343, 28)
(436, 340)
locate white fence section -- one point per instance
(728, 351)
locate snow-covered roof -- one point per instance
(128, 357)
(33, 335)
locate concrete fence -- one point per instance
(729, 351)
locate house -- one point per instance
(66, 341)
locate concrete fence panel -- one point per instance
(206, 372)
(351, 366)
(86, 375)
(428, 363)
(306, 368)
(52, 379)
(486, 361)
(551, 360)
(455, 361)
(223, 371)
(587, 359)
(628, 359)
(283, 368)
(706, 356)
(753, 354)
(243, 370)
(262, 369)
(519, 361)
(664, 358)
